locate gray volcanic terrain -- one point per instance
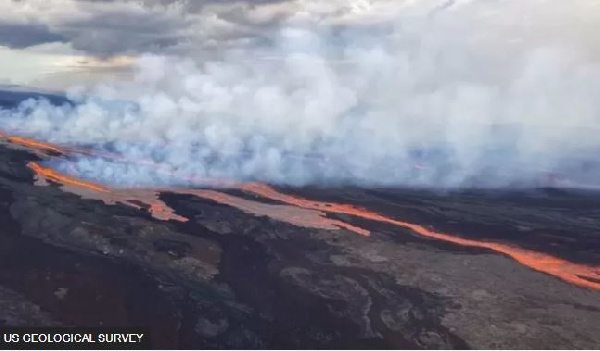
(230, 278)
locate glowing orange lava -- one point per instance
(577, 274)
(34, 144)
(571, 272)
(157, 208)
(60, 178)
(291, 214)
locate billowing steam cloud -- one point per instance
(429, 101)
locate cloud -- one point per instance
(19, 36)
(112, 33)
(446, 100)
(307, 92)
(104, 27)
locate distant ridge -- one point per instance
(12, 95)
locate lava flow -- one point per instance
(574, 273)
(34, 144)
(295, 215)
(577, 274)
(158, 209)
(130, 197)
(60, 178)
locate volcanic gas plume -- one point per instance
(470, 103)
(304, 212)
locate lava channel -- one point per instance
(148, 198)
(574, 273)
(295, 215)
(34, 144)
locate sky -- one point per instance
(55, 44)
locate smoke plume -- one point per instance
(436, 100)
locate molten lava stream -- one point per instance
(133, 197)
(59, 178)
(573, 273)
(295, 215)
(46, 147)
(34, 144)
(129, 197)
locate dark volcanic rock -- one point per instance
(228, 279)
(16, 310)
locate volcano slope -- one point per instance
(252, 266)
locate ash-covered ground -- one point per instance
(230, 278)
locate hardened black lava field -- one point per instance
(230, 278)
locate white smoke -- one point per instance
(436, 101)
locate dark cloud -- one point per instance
(190, 6)
(106, 28)
(20, 36)
(107, 34)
